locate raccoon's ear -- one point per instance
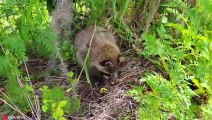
(121, 59)
(106, 63)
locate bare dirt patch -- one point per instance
(113, 104)
(95, 105)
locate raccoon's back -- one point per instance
(83, 38)
(102, 41)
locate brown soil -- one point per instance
(95, 105)
(114, 103)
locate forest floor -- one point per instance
(111, 104)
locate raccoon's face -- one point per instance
(109, 68)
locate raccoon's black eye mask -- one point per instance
(108, 65)
(106, 74)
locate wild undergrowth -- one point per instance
(181, 46)
(26, 34)
(175, 36)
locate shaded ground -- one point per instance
(113, 104)
(95, 105)
(109, 105)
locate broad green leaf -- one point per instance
(44, 108)
(29, 88)
(62, 104)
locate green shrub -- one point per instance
(56, 104)
(164, 99)
(181, 46)
(25, 31)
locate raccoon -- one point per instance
(104, 57)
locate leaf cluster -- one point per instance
(56, 104)
(182, 48)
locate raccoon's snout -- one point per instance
(112, 77)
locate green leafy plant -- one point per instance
(164, 99)
(25, 32)
(20, 22)
(56, 104)
(180, 46)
